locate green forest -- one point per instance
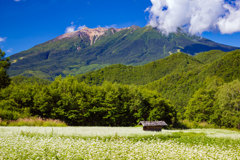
(204, 88)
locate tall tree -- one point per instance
(200, 106)
(4, 65)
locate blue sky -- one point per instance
(25, 23)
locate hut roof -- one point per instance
(152, 123)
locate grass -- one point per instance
(33, 121)
(117, 143)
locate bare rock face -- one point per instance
(92, 34)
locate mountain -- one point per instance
(90, 49)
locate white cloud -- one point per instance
(9, 50)
(73, 28)
(195, 16)
(70, 29)
(2, 39)
(231, 22)
(81, 27)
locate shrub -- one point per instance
(9, 115)
(33, 121)
(2, 123)
(193, 124)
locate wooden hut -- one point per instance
(152, 125)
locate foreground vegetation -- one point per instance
(77, 103)
(117, 143)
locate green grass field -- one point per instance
(117, 143)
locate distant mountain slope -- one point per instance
(210, 56)
(90, 49)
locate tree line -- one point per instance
(77, 103)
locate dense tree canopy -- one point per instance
(4, 65)
(77, 103)
(227, 105)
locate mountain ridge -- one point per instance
(90, 49)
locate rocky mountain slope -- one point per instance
(90, 49)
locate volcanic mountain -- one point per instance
(90, 49)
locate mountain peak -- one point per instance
(85, 31)
(134, 27)
(75, 52)
(92, 33)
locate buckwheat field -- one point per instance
(117, 143)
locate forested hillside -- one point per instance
(201, 88)
(140, 75)
(205, 71)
